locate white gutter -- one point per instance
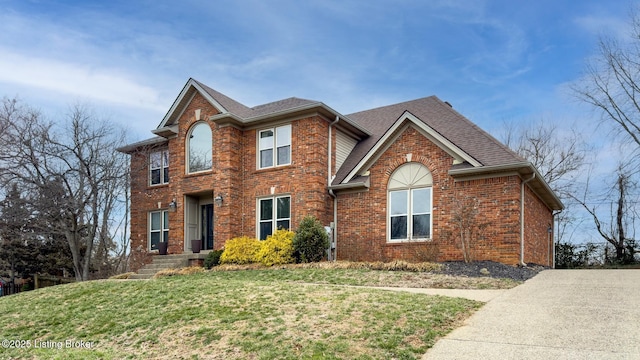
(553, 218)
(524, 182)
(333, 238)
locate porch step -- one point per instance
(161, 262)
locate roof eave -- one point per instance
(321, 108)
(166, 131)
(524, 170)
(352, 186)
(145, 144)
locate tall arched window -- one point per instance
(409, 203)
(199, 145)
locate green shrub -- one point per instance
(277, 249)
(213, 259)
(311, 240)
(240, 250)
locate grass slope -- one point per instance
(267, 314)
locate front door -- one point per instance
(207, 226)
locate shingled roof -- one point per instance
(440, 117)
(475, 150)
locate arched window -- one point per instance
(409, 203)
(199, 145)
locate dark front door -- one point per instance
(207, 227)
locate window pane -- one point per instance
(200, 148)
(421, 226)
(283, 135)
(265, 229)
(266, 158)
(166, 175)
(165, 236)
(284, 155)
(266, 209)
(155, 221)
(155, 177)
(399, 227)
(282, 224)
(399, 202)
(421, 201)
(155, 239)
(165, 222)
(284, 208)
(155, 160)
(266, 139)
(165, 158)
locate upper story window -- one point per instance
(199, 148)
(274, 147)
(409, 200)
(159, 167)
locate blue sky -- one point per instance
(495, 61)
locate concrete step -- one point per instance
(161, 262)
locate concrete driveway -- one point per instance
(559, 314)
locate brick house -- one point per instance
(414, 181)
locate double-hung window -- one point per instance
(410, 203)
(158, 228)
(273, 213)
(274, 147)
(159, 167)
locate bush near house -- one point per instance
(240, 250)
(311, 240)
(277, 249)
(213, 259)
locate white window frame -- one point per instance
(277, 142)
(274, 220)
(410, 178)
(163, 230)
(409, 213)
(163, 164)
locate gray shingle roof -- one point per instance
(245, 112)
(439, 116)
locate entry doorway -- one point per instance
(207, 226)
(199, 221)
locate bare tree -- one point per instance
(619, 231)
(467, 228)
(71, 173)
(612, 83)
(558, 155)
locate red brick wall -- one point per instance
(305, 179)
(362, 216)
(234, 176)
(539, 242)
(361, 223)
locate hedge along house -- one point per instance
(414, 181)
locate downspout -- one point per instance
(553, 217)
(522, 263)
(334, 236)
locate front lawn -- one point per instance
(253, 314)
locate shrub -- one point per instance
(311, 240)
(213, 259)
(240, 250)
(277, 249)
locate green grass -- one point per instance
(254, 314)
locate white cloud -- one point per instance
(79, 80)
